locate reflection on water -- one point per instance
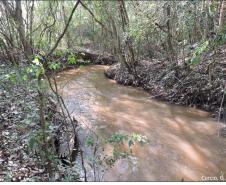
(183, 141)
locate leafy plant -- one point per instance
(59, 53)
(131, 139)
(90, 141)
(34, 142)
(220, 38)
(54, 65)
(12, 77)
(196, 58)
(117, 140)
(71, 59)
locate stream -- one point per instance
(183, 142)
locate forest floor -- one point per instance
(182, 86)
(20, 124)
(21, 148)
(19, 121)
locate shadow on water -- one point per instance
(183, 141)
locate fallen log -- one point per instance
(95, 56)
(83, 56)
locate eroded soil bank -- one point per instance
(181, 85)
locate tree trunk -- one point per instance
(222, 18)
(31, 22)
(169, 35)
(117, 44)
(21, 30)
(18, 18)
(67, 34)
(128, 42)
(206, 10)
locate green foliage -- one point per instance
(117, 138)
(19, 76)
(42, 44)
(36, 69)
(71, 59)
(71, 174)
(138, 138)
(35, 142)
(130, 139)
(196, 58)
(117, 141)
(220, 38)
(90, 141)
(54, 65)
(39, 71)
(59, 53)
(12, 77)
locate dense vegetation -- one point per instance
(173, 49)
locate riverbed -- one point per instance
(183, 142)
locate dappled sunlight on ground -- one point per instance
(183, 142)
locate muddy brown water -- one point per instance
(183, 142)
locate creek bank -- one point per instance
(19, 108)
(21, 143)
(182, 86)
(83, 57)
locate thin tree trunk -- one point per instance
(206, 9)
(169, 35)
(222, 18)
(21, 29)
(67, 32)
(31, 22)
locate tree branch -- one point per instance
(91, 13)
(65, 29)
